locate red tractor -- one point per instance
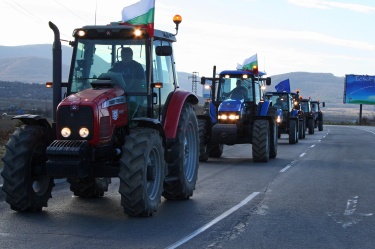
(133, 123)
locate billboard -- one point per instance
(359, 89)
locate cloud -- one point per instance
(321, 4)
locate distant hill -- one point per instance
(33, 64)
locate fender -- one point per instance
(294, 113)
(154, 124)
(177, 100)
(213, 113)
(29, 119)
(263, 108)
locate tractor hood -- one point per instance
(231, 105)
(93, 95)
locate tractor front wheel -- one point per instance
(215, 150)
(311, 126)
(261, 141)
(26, 185)
(142, 172)
(293, 133)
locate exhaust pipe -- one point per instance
(56, 70)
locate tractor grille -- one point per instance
(83, 117)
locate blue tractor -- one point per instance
(238, 114)
(292, 122)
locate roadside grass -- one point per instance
(7, 127)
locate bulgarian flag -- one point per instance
(141, 13)
(249, 63)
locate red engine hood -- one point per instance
(97, 96)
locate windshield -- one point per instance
(281, 101)
(235, 88)
(104, 59)
(305, 106)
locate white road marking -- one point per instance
(312, 146)
(214, 221)
(302, 154)
(284, 169)
(349, 217)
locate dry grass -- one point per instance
(6, 127)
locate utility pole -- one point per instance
(194, 82)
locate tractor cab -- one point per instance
(123, 57)
(236, 95)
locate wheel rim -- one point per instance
(39, 182)
(189, 153)
(153, 174)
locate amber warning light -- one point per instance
(177, 19)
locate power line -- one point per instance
(28, 13)
(71, 11)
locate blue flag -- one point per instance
(283, 86)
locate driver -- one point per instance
(131, 70)
(239, 92)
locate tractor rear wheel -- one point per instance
(26, 185)
(183, 169)
(203, 153)
(89, 187)
(293, 134)
(215, 150)
(142, 172)
(261, 141)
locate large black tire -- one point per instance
(142, 172)
(183, 167)
(203, 152)
(215, 150)
(273, 140)
(261, 141)
(90, 187)
(26, 185)
(320, 125)
(300, 129)
(311, 126)
(304, 128)
(293, 134)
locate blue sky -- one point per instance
(287, 35)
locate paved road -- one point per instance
(315, 194)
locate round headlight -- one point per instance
(84, 132)
(65, 132)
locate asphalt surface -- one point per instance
(317, 193)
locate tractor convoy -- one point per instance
(122, 115)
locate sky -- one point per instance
(318, 36)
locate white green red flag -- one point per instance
(249, 63)
(142, 14)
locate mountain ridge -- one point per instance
(33, 64)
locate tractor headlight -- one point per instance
(229, 116)
(84, 132)
(278, 120)
(65, 132)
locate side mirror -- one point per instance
(324, 104)
(163, 50)
(203, 80)
(268, 81)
